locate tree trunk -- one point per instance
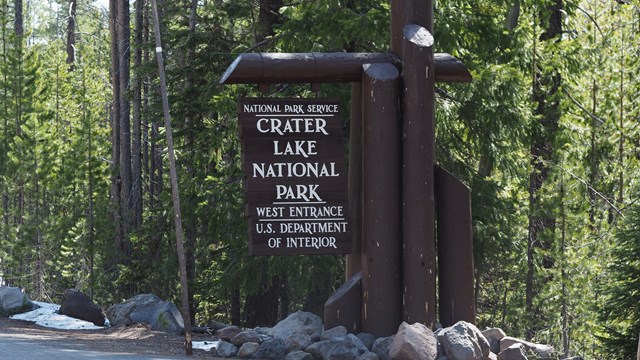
(268, 16)
(125, 127)
(541, 219)
(71, 35)
(115, 132)
(136, 144)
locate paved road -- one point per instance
(16, 348)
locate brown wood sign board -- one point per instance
(294, 176)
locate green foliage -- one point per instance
(619, 307)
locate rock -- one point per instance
(216, 325)
(367, 339)
(13, 301)
(463, 341)
(248, 349)
(368, 356)
(493, 356)
(297, 342)
(298, 355)
(334, 332)
(226, 350)
(338, 348)
(493, 336)
(413, 342)
(78, 305)
(300, 322)
(541, 351)
(227, 333)
(147, 309)
(246, 336)
(380, 347)
(513, 352)
(271, 349)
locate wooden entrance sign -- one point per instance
(295, 178)
(391, 191)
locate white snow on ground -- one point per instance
(47, 316)
(205, 345)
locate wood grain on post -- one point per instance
(273, 68)
(381, 230)
(455, 250)
(418, 153)
(354, 260)
(344, 307)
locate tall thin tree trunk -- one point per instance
(71, 35)
(136, 145)
(125, 126)
(175, 194)
(541, 218)
(115, 131)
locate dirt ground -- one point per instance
(135, 339)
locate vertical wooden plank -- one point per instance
(381, 277)
(398, 20)
(344, 307)
(419, 258)
(354, 260)
(455, 250)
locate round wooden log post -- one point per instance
(418, 231)
(638, 356)
(354, 260)
(409, 12)
(455, 250)
(344, 307)
(381, 237)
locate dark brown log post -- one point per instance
(419, 258)
(381, 230)
(354, 260)
(638, 356)
(455, 250)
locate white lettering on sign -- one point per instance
(298, 192)
(293, 125)
(295, 170)
(311, 242)
(304, 148)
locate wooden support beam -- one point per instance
(455, 250)
(418, 158)
(354, 260)
(381, 229)
(344, 307)
(272, 68)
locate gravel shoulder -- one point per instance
(135, 339)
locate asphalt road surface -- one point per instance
(17, 348)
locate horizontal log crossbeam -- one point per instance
(273, 68)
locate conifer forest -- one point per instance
(547, 136)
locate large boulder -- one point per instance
(540, 350)
(78, 305)
(463, 341)
(271, 349)
(493, 336)
(338, 348)
(513, 352)
(300, 322)
(14, 301)
(147, 309)
(413, 342)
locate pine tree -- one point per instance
(620, 311)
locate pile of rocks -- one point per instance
(301, 337)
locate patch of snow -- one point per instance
(46, 315)
(205, 345)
